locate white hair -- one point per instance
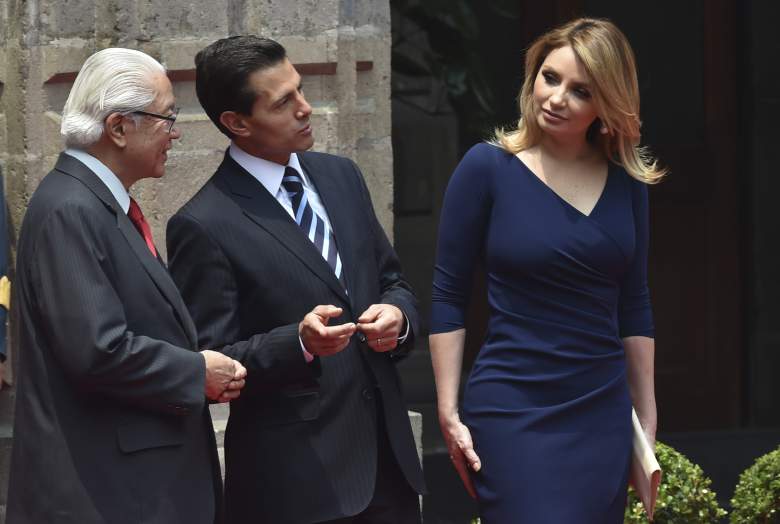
(113, 80)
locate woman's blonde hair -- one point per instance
(609, 61)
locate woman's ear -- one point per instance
(234, 122)
(115, 128)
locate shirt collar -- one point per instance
(268, 173)
(105, 175)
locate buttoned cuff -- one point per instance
(308, 356)
(403, 337)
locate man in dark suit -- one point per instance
(112, 422)
(282, 263)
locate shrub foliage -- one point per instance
(684, 496)
(757, 495)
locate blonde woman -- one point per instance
(557, 212)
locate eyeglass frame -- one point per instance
(170, 118)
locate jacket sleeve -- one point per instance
(205, 278)
(82, 320)
(394, 289)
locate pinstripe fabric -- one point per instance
(111, 423)
(248, 275)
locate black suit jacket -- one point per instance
(301, 441)
(111, 421)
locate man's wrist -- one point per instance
(306, 355)
(405, 329)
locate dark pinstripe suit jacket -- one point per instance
(301, 440)
(111, 424)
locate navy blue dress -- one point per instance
(547, 400)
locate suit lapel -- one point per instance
(151, 265)
(263, 209)
(159, 275)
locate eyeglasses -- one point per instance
(170, 118)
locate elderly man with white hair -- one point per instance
(112, 422)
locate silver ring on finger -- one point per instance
(379, 341)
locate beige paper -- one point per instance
(5, 292)
(645, 471)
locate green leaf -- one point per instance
(685, 495)
(757, 495)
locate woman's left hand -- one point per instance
(461, 450)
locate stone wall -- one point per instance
(341, 47)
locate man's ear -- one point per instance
(115, 129)
(235, 123)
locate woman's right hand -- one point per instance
(461, 449)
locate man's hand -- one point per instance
(224, 376)
(381, 324)
(320, 339)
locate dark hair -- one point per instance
(222, 72)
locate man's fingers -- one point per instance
(327, 311)
(382, 344)
(373, 329)
(327, 346)
(313, 325)
(240, 371)
(228, 395)
(340, 331)
(383, 328)
(370, 314)
(324, 335)
(235, 384)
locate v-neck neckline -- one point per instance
(559, 197)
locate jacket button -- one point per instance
(362, 337)
(368, 394)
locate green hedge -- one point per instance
(757, 495)
(684, 496)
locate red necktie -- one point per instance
(140, 223)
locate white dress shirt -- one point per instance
(104, 174)
(270, 175)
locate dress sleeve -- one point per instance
(635, 314)
(462, 232)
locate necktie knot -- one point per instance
(135, 212)
(292, 182)
(136, 216)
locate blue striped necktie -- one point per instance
(311, 223)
